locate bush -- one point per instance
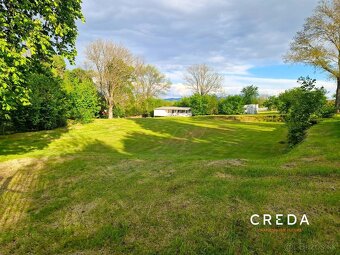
(83, 99)
(119, 112)
(47, 105)
(231, 105)
(302, 107)
(200, 104)
(328, 110)
(271, 103)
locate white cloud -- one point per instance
(240, 32)
(229, 68)
(233, 85)
(216, 59)
(186, 6)
(178, 90)
(232, 36)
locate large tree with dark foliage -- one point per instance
(31, 32)
(250, 94)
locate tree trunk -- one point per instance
(337, 95)
(110, 111)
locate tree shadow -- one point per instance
(109, 199)
(21, 143)
(207, 139)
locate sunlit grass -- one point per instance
(167, 185)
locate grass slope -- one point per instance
(168, 186)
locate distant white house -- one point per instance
(172, 111)
(251, 108)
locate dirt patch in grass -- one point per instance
(166, 172)
(196, 133)
(79, 214)
(289, 165)
(311, 159)
(225, 176)
(129, 164)
(227, 163)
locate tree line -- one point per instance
(117, 84)
(37, 92)
(208, 104)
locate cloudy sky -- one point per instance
(243, 39)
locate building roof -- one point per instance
(173, 108)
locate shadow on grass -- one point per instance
(104, 200)
(208, 139)
(21, 143)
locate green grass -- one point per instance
(168, 186)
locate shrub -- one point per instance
(47, 105)
(271, 103)
(231, 105)
(83, 99)
(328, 110)
(200, 104)
(301, 106)
(119, 112)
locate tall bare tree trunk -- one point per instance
(337, 95)
(110, 108)
(110, 111)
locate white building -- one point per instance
(251, 108)
(172, 111)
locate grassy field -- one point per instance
(168, 186)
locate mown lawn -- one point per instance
(168, 186)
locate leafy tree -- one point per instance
(32, 32)
(114, 72)
(250, 94)
(58, 66)
(231, 105)
(318, 43)
(202, 80)
(47, 109)
(83, 99)
(149, 84)
(271, 102)
(148, 108)
(200, 104)
(301, 107)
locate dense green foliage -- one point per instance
(53, 100)
(48, 105)
(271, 103)
(146, 107)
(328, 110)
(168, 186)
(250, 94)
(31, 32)
(301, 107)
(200, 104)
(210, 104)
(231, 105)
(83, 98)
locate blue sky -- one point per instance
(242, 39)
